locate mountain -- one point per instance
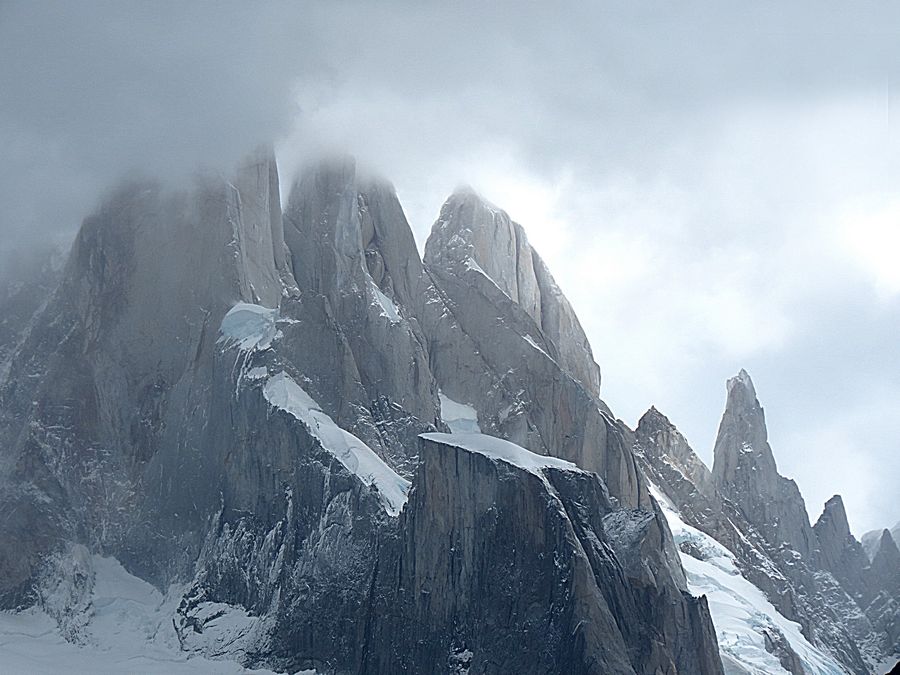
(256, 413)
(278, 438)
(745, 539)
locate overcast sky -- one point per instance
(715, 187)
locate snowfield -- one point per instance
(129, 630)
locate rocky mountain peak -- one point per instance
(743, 380)
(872, 539)
(742, 437)
(654, 418)
(744, 471)
(473, 236)
(345, 226)
(657, 437)
(834, 518)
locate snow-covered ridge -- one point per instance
(740, 611)
(284, 393)
(497, 448)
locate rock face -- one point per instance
(884, 607)
(110, 384)
(231, 399)
(818, 577)
(26, 281)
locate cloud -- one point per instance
(714, 185)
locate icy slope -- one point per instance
(129, 631)
(282, 392)
(744, 619)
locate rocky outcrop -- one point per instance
(884, 608)
(872, 539)
(108, 385)
(27, 279)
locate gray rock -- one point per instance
(470, 228)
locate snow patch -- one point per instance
(249, 327)
(460, 417)
(282, 392)
(224, 630)
(497, 448)
(530, 340)
(388, 308)
(257, 373)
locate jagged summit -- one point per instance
(838, 551)
(653, 415)
(834, 516)
(742, 434)
(817, 578)
(742, 379)
(888, 554)
(885, 575)
(744, 470)
(465, 193)
(341, 220)
(473, 236)
(250, 404)
(487, 280)
(660, 442)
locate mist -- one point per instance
(714, 188)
